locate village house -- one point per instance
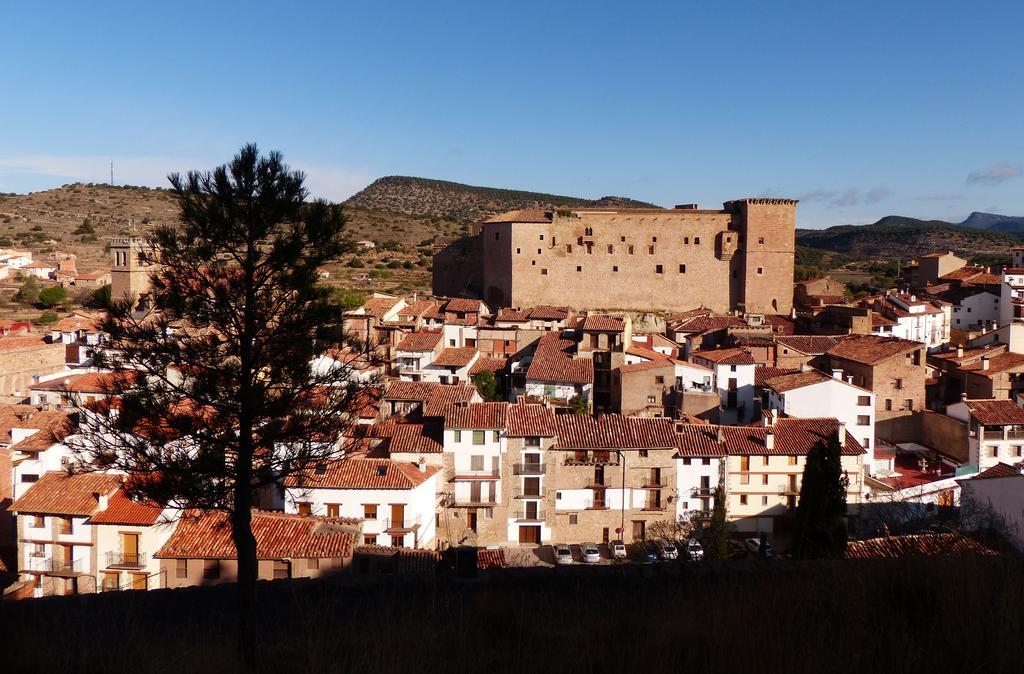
(15, 259)
(202, 552)
(605, 339)
(765, 466)
(39, 269)
(795, 351)
(23, 358)
(892, 368)
(94, 279)
(998, 376)
(415, 353)
(819, 292)
(918, 320)
(950, 373)
(700, 470)
(129, 532)
(930, 267)
(423, 399)
(994, 499)
(734, 376)
(35, 440)
(995, 431)
(701, 332)
(551, 371)
(396, 500)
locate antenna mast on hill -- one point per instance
(111, 173)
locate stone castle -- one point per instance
(737, 258)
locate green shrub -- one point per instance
(52, 296)
(356, 263)
(49, 318)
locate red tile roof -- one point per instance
(612, 431)
(488, 364)
(996, 364)
(378, 307)
(207, 535)
(810, 345)
(476, 415)
(554, 361)
(549, 313)
(727, 356)
(361, 473)
(790, 382)
(999, 470)
(530, 420)
(701, 324)
(422, 340)
(90, 382)
(434, 396)
(872, 349)
(763, 373)
(462, 305)
(996, 412)
(491, 559)
(57, 493)
(603, 323)
(641, 351)
(452, 356)
(15, 343)
(123, 510)
(407, 560)
(646, 365)
(407, 438)
(512, 315)
(918, 545)
(792, 437)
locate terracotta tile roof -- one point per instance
(727, 356)
(963, 273)
(422, 340)
(452, 356)
(378, 307)
(530, 420)
(792, 437)
(461, 304)
(763, 373)
(872, 349)
(512, 315)
(491, 559)
(996, 412)
(811, 345)
(969, 354)
(554, 361)
(603, 323)
(937, 254)
(549, 313)
(407, 560)
(917, 545)
(996, 364)
(476, 415)
(487, 364)
(90, 382)
(691, 441)
(407, 438)
(94, 276)
(361, 473)
(523, 215)
(14, 343)
(612, 431)
(878, 320)
(417, 308)
(57, 493)
(789, 382)
(55, 425)
(701, 324)
(123, 510)
(640, 351)
(781, 325)
(999, 470)
(688, 314)
(646, 365)
(434, 396)
(207, 535)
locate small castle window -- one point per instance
(622, 239)
(631, 250)
(543, 272)
(696, 240)
(682, 269)
(519, 251)
(654, 239)
(615, 268)
(579, 268)
(541, 237)
(650, 250)
(611, 249)
(497, 236)
(538, 251)
(760, 270)
(686, 240)
(760, 239)
(658, 269)
(568, 248)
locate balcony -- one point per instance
(528, 468)
(524, 516)
(519, 492)
(489, 503)
(653, 483)
(702, 492)
(592, 459)
(471, 475)
(126, 560)
(404, 524)
(56, 567)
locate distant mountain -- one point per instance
(898, 237)
(466, 203)
(995, 223)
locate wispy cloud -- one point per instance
(997, 174)
(940, 197)
(853, 196)
(39, 172)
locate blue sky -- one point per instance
(859, 110)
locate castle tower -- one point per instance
(763, 279)
(129, 278)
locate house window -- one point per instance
(398, 541)
(659, 380)
(334, 510)
(888, 405)
(457, 436)
(539, 252)
(579, 268)
(909, 403)
(305, 508)
(211, 568)
(38, 521)
(496, 435)
(1017, 450)
(863, 420)
(732, 368)
(764, 500)
(64, 525)
(588, 231)
(686, 240)
(479, 437)
(760, 271)
(370, 539)
(622, 239)
(792, 460)
(574, 518)
(642, 453)
(313, 564)
(898, 384)
(658, 269)
(476, 462)
(541, 237)
(650, 399)
(696, 240)
(686, 461)
(181, 568)
(863, 401)
(706, 461)
(682, 269)
(743, 499)
(630, 250)
(568, 248)
(764, 479)
(369, 511)
(993, 451)
(280, 570)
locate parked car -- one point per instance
(694, 550)
(618, 549)
(650, 551)
(563, 554)
(591, 555)
(667, 550)
(753, 545)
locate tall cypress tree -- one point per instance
(821, 529)
(716, 539)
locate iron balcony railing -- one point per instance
(525, 516)
(702, 492)
(406, 523)
(55, 566)
(133, 560)
(528, 468)
(519, 492)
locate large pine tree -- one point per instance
(217, 400)
(821, 529)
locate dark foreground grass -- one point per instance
(927, 615)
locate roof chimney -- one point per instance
(841, 434)
(837, 374)
(960, 351)
(721, 435)
(769, 440)
(101, 499)
(963, 396)
(984, 362)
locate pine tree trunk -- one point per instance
(245, 544)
